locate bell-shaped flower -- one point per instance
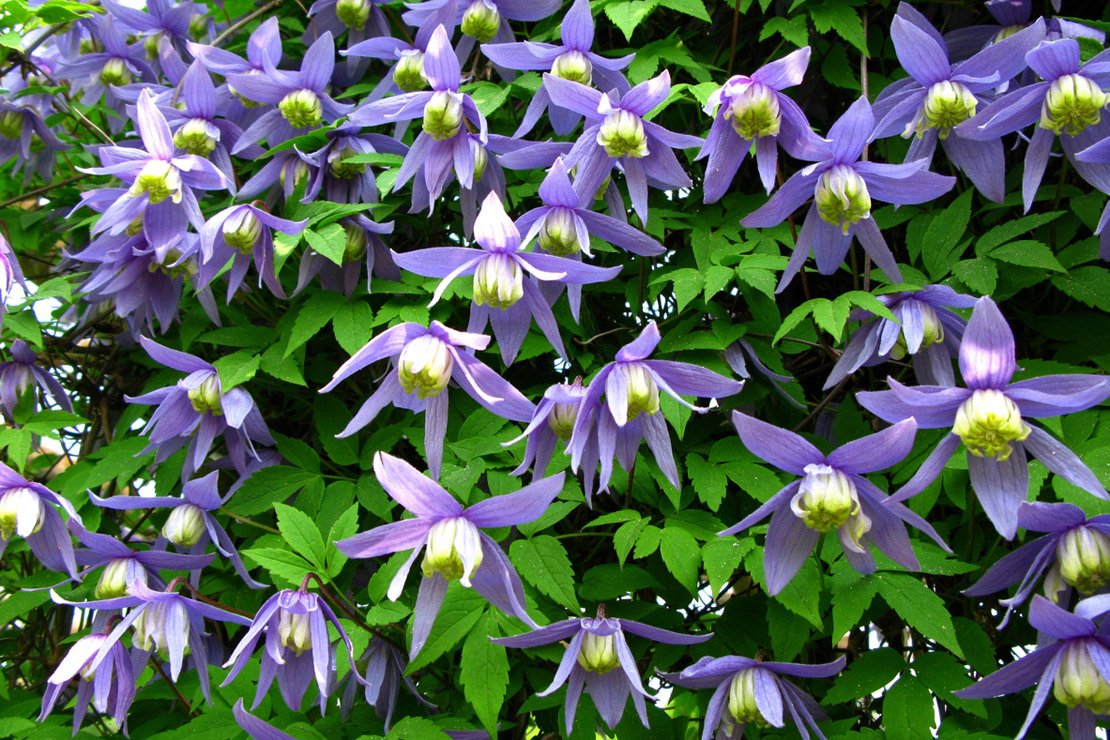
(481, 20)
(243, 234)
(751, 109)
(191, 524)
(427, 359)
(631, 386)
(570, 60)
(195, 411)
(341, 180)
(741, 352)
(503, 296)
(264, 42)
(598, 659)
(20, 374)
(359, 19)
(454, 547)
(197, 128)
(297, 647)
(124, 565)
(109, 685)
(988, 416)
(553, 419)
(28, 509)
(19, 125)
(832, 495)
(1076, 668)
(382, 666)
(925, 328)
(364, 247)
(751, 691)
(842, 187)
(96, 73)
(1075, 552)
(617, 132)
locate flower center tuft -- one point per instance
(1083, 555)
(442, 552)
(1078, 681)
(481, 20)
(302, 108)
(574, 66)
(842, 198)
(946, 105)
(294, 630)
(988, 422)
(443, 116)
(622, 134)
(598, 653)
(22, 512)
(755, 112)
(827, 499)
(425, 366)
(1073, 103)
(206, 396)
(741, 699)
(498, 281)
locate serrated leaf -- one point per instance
(867, 674)
(345, 526)
(708, 480)
(682, 556)
(840, 17)
(281, 564)
(297, 453)
(721, 557)
(647, 542)
(944, 234)
(317, 311)
(831, 315)
(416, 728)
(868, 302)
(629, 14)
(264, 487)
(329, 241)
(908, 712)
(1006, 231)
(789, 632)
(943, 674)
(978, 274)
(919, 607)
(484, 672)
(1027, 253)
(626, 537)
(301, 533)
(237, 368)
(543, 562)
(461, 610)
(849, 604)
(795, 30)
(1089, 285)
(801, 596)
(796, 317)
(351, 325)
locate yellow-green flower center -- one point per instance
(1073, 103)
(841, 197)
(741, 699)
(573, 65)
(242, 230)
(355, 248)
(622, 134)
(443, 116)
(185, 525)
(195, 138)
(643, 393)
(294, 631)
(988, 422)
(115, 72)
(559, 234)
(302, 108)
(113, 580)
(22, 512)
(498, 281)
(206, 396)
(341, 168)
(755, 112)
(1083, 555)
(442, 552)
(827, 499)
(424, 366)
(1078, 681)
(353, 13)
(11, 124)
(946, 105)
(562, 418)
(159, 180)
(598, 653)
(408, 74)
(481, 21)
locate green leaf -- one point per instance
(49, 420)
(795, 30)
(868, 302)
(263, 488)
(277, 365)
(416, 728)
(942, 674)
(317, 311)
(237, 368)
(1004, 232)
(721, 557)
(695, 8)
(789, 632)
(797, 316)
(942, 237)
(802, 595)
(865, 675)
(682, 556)
(301, 533)
(626, 536)
(919, 607)
(486, 95)
(628, 14)
(978, 274)
(849, 604)
(345, 526)
(1027, 253)
(281, 564)
(1089, 285)
(484, 672)
(297, 453)
(543, 562)
(648, 541)
(329, 241)
(461, 610)
(908, 712)
(351, 325)
(840, 17)
(708, 480)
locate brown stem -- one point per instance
(42, 190)
(245, 20)
(173, 687)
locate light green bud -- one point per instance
(622, 134)
(341, 168)
(159, 180)
(113, 581)
(741, 699)
(206, 396)
(987, 422)
(442, 552)
(1083, 555)
(755, 112)
(353, 13)
(115, 72)
(185, 525)
(574, 66)
(355, 249)
(242, 230)
(841, 197)
(195, 137)
(11, 124)
(294, 631)
(424, 366)
(302, 108)
(22, 512)
(1073, 103)
(1006, 33)
(598, 653)
(408, 74)
(198, 26)
(932, 332)
(1078, 681)
(135, 227)
(171, 266)
(150, 44)
(559, 234)
(481, 21)
(481, 159)
(643, 393)
(562, 418)
(297, 167)
(827, 499)
(498, 281)
(443, 116)
(946, 105)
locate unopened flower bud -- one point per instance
(574, 66)
(498, 281)
(11, 124)
(115, 72)
(841, 197)
(297, 168)
(598, 653)
(206, 396)
(622, 134)
(946, 105)
(355, 248)
(341, 168)
(353, 13)
(425, 366)
(562, 418)
(242, 230)
(197, 136)
(559, 233)
(302, 108)
(1083, 555)
(172, 265)
(481, 20)
(643, 393)
(481, 158)
(442, 552)
(987, 422)
(198, 26)
(1073, 103)
(1079, 683)
(755, 112)
(1054, 584)
(294, 630)
(408, 74)
(443, 116)
(159, 180)
(932, 332)
(117, 576)
(827, 499)
(22, 512)
(185, 525)
(741, 699)
(150, 44)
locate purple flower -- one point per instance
(117, 65)
(503, 296)
(256, 728)
(751, 109)
(741, 352)
(988, 417)
(10, 274)
(598, 658)
(923, 327)
(1075, 552)
(1076, 669)
(631, 386)
(343, 181)
(19, 124)
(242, 234)
(27, 510)
(384, 672)
(110, 685)
(124, 565)
(454, 547)
(297, 647)
(832, 495)
(572, 60)
(1087, 163)
(937, 96)
(750, 691)
(842, 188)
(553, 419)
(364, 245)
(617, 132)
(20, 373)
(195, 411)
(426, 360)
(483, 20)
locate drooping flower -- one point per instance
(988, 416)
(109, 685)
(503, 296)
(481, 20)
(364, 247)
(20, 123)
(124, 565)
(10, 274)
(341, 180)
(842, 188)
(598, 658)
(383, 668)
(427, 359)
(243, 234)
(454, 548)
(553, 419)
(741, 352)
(832, 495)
(27, 509)
(19, 374)
(97, 72)
(751, 691)
(263, 43)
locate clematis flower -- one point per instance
(109, 686)
(553, 419)
(97, 72)
(243, 234)
(503, 296)
(482, 20)
(1075, 552)
(427, 359)
(599, 659)
(264, 42)
(842, 187)
(988, 416)
(751, 109)
(1074, 667)
(751, 691)
(384, 669)
(10, 275)
(124, 565)
(631, 386)
(364, 246)
(571, 60)
(832, 495)
(19, 374)
(297, 646)
(1091, 164)
(341, 180)
(19, 125)
(28, 510)
(454, 548)
(926, 329)
(196, 410)
(617, 132)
